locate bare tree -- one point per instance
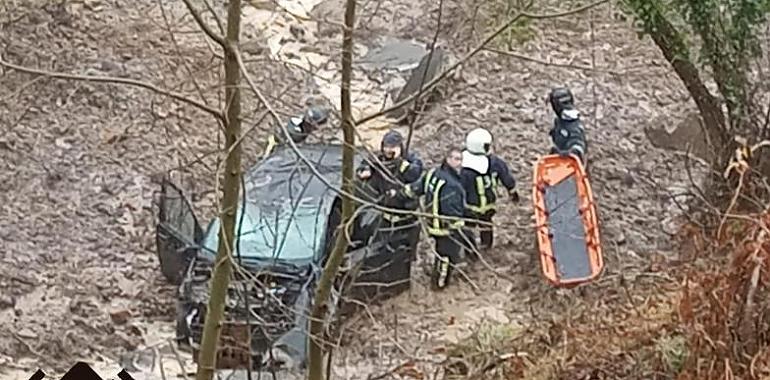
(231, 186)
(729, 43)
(315, 355)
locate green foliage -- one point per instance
(727, 30)
(673, 349)
(500, 12)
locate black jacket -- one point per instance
(392, 175)
(568, 136)
(497, 173)
(444, 196)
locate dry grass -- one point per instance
(712, 321)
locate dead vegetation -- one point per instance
(621, 327)
(706, 318)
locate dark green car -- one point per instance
(286, 228)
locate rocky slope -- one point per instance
(80, 161)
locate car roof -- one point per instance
(284, 174)
(287, 204)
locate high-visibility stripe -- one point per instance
(404, 166)
(482, 191)
(436, 190)
(271, 143)
(428, 178)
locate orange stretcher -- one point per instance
(567, 224)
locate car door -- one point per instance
(177, 232)
(382, 268)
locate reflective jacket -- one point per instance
(299, 130)
(568, 136)
(443, 196)
(480, 186)
(393, 175)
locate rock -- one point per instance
(120, 316)
(621, 238)
(628, 180)
(297, 31)
(472, 80)
(6, 302)
(27, 333)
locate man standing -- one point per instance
(567, 134)
(389, 171)
(482, 172)
(444, 197)
(300, 127)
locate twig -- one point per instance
(558, 64)
(216, 17)
(179, 52)
(114, 80)
(205, 27)
(160, 362)
(178, 358)
(473, 52)
(21, 88)
(424, 73)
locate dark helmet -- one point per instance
(561, 99)
(392, 138)
(300, 127)
(316, 116)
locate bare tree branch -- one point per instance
(114, 80)
(475, 51)
(425, 72)
(204, 26)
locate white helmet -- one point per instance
(478, 141)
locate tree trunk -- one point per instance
(222, 266)
(315, 354)
(672, 45)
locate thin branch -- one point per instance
(425, 72)
(205, 27)
(475, 51)
(214, 14)
(178, 51)
(114, 80)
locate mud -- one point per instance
(80, 161)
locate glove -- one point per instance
(514, 196)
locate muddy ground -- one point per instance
(80, 162)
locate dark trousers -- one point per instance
(486, 231)
(449, 249)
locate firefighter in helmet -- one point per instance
(481, 174)
(567, 133)
(300, 127)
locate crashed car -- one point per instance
(285, 230)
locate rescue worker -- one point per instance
(443, 197)
(567, 133)
(391, 169)
(300, 127)
(482, 173)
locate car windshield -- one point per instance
(287, 205)
(280, 234)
